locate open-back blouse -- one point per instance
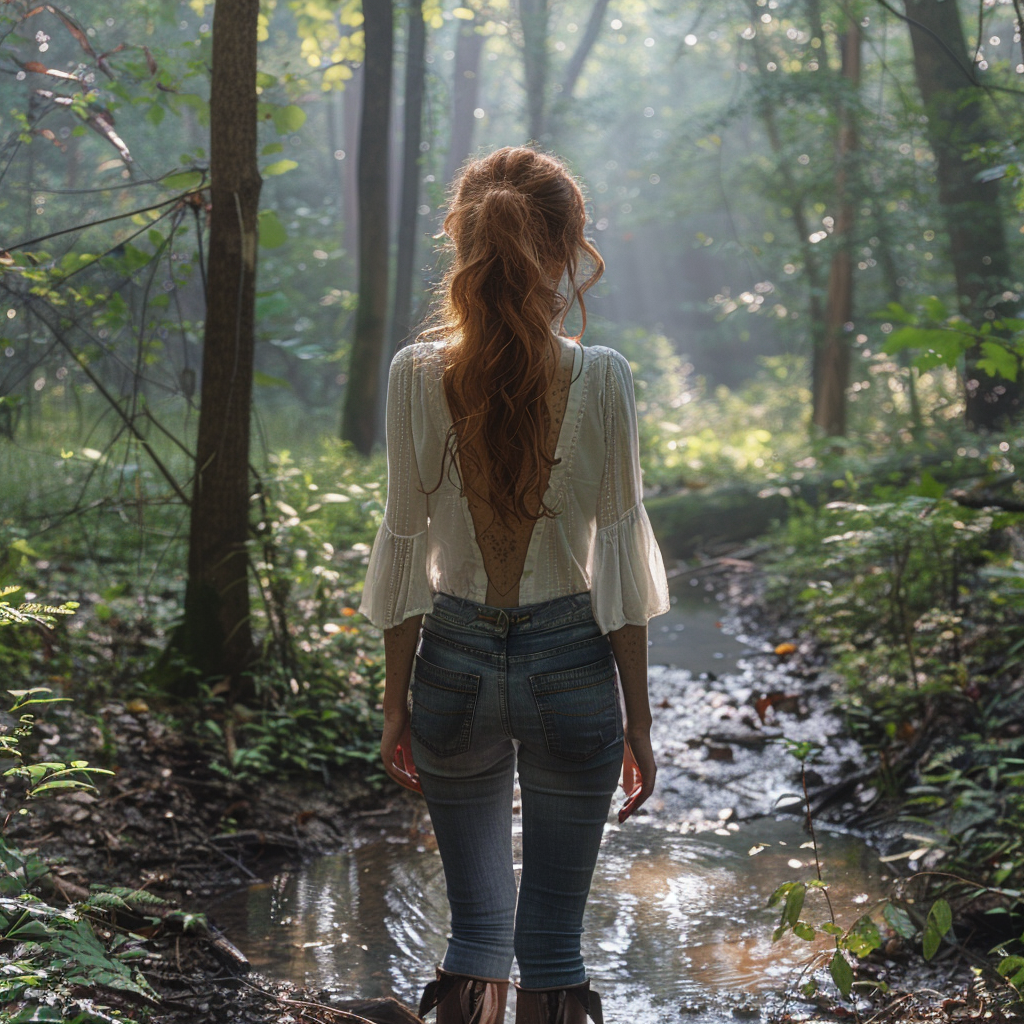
(600, 540)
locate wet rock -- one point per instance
(693, 1008)
(719, 753)
(736, 734)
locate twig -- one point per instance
(232, 860)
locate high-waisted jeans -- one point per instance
(540, 678)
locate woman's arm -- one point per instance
(629, 647)
(399, 651)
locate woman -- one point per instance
(514, 524)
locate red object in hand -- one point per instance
(405, 770)
(632, 783)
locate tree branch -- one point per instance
(579, 57)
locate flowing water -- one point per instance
(677, 926)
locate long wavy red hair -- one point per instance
(520, 263)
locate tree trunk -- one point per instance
(359, 417)
(833, 365)
(352, 104)
(216, 637)
(953, 102)
(469, 48)
(794, 198)
(574, 68)
(533, 17)
(412, 133)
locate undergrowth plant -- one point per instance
(859, 939)
(916, 598)
(58, 963)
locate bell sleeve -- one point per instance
(396, 586)
(628, 582)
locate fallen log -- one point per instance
(686, 523)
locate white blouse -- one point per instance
(600, 540)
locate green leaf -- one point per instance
(929, 487)
(34, 1013)
(794, 904)
(288, 119)
(947, 346)
(935, 309)
(940, 920)
(894, 311)
(1010, 965)
(780, 892)
(271, 148)
(998, 361)
(184, 181)
(842, 973)
(272, 304)
(942, 915)
(863, 937)
(272, 231)
(266, 381)
(802, 930)
(60, 784)
(279, 167)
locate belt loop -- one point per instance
(503, 622)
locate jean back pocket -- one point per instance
(443, 705)
(579, 709)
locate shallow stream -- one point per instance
(677, 926)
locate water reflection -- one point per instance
(675, 920)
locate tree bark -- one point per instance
(216, 637)
(352, 104)
(412, 134)
(359, 417)
(469, 48)
(833, 364)
(533, 18)
(953, 102)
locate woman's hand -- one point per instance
(396, 750)
(638, 771)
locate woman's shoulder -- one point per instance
(604, 358)
(419, 357)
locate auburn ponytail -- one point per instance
(516, 228)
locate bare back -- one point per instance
(504, 548)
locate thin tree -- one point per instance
(215, 636)
(795, 198)
(956, 126)
(359, 416)
(412, 134)
(574, 68)
(832, 359)
(533, 19)
(469, 48)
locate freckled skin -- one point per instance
(504, 555)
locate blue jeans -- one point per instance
(540, 678)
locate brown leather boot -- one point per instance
(558, 1006)
(463, 1000)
